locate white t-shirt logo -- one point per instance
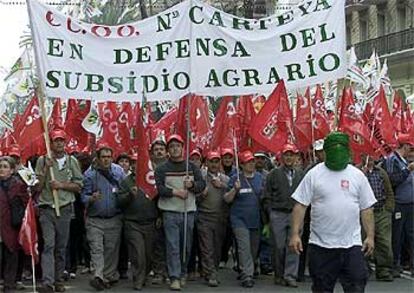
(345, 184)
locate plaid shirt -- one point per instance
(377, 184)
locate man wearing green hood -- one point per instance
(340, 196)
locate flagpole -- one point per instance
(40, 95)
(29, 190)
(236, 157)
(187, 159)
(312, 130)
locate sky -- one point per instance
(13, 21)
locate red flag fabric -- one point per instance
(165, 126)
(272, 127)
(245, 114)
(351, 122)
(225, 125)
(303, 126)
(7, 139)
(31, 124)
(125, 123)
(398, 113)
(75, 113)
(380, 123)
(56, 119)
(320, 118)
(408, 120)
(110, 133)
(28, 232)
(199, 122)
(145, 179)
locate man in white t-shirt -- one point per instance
(340, 196)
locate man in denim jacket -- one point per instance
(104, 220)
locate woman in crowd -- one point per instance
(13, 200)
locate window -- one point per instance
(401, 17)
(363, 25)
(381, 27)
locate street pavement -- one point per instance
(229, 284)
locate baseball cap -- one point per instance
(246, 156)
(213, 155)
(227, 151)
(14, 150)
(289, 148)
(55, 134)
(175, 137)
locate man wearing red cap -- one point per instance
(401, 176)
(104, 219)
(280, 185)
(212, 217)
(177, 191)
(158, 156)
(15, 152)
(245, 195)
(227, 161)
(55, 230)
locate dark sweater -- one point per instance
(134, 204)
(170, 175)
(277, 194)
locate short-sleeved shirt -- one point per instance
(67, 170)
(337, 197)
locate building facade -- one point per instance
(387, 26)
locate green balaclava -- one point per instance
(336, 147)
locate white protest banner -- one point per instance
(189, 48)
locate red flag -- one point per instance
(144, 173)
(380, 123)
(165, 126)
(7, 139)
(28, 232)
(303, 126)
(31, 124)
(110, 133)
(75, 113)
(351, 122)
(199, 122)
(398, 113)
(245, 114)
(272, 127)
(56, 119)
(408, 120)
(320, 118)
(225, 125)
(125, 123)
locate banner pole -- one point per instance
(187, 159)
(40, 95)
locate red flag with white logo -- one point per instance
(320, 118)
(56, 118)
(144, 172)
(110, 133)
(303, 126)
(31, 124)
(272, 127)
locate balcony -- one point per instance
(358, 5)
(388, 44)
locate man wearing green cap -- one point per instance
(340, 196)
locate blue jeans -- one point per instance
(402, 229)
(174, 236)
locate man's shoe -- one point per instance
(213, 283)
(291, 283)
(183, 281)
(248, 283)
(279, 281)
(123, 276)
(46, 289)
(175, 285)
(386, 278)
(59, 287)
(97, 283)
(137, 287)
